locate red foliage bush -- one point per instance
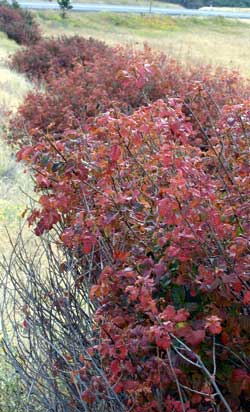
(156, 193)
(93, 88)
(50, 56)
(170, 228)
(126, 80)
(19, 25)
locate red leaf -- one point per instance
(213, 324)
(88, 242)
(195, 337)
(24, 153)
(40, 228)
(161, 333)
(115, 367)
(238, 375)
(163, 207)
(159, 269)
(163, 342)
(246, 298)
(130, 385)
(25, 324)
(118, 388)
(115, 153)
(81, 358)
(121, 350)
(88, 396)
(224, 338)
(168, 313)
(181, 315)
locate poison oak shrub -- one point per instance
(54, 54)
(121, 79)
(126, 80)
(19, 25)
(142, 171)
(166, 227)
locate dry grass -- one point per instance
(13, 182)
(13, 186)
(12, 85)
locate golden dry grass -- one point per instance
(12, 85)
(13, 182)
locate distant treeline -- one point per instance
(218, 3)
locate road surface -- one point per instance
(136, 9)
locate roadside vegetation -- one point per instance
(135, 295)
(145, 3)
(18, 24)
(233, 5)
(215, 41)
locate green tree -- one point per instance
(64, 5)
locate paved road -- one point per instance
(135, 9)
